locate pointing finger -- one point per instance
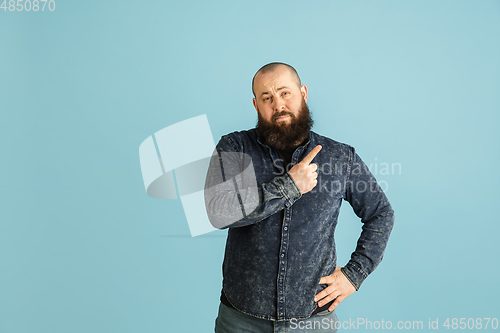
(312, 154)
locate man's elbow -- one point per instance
(221, 217)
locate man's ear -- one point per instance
(303, 90)
(255, 104)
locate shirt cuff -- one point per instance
(354, 274)
(291, 191)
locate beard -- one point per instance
(286, 136)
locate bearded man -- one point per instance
(280, 271)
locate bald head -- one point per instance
(271, 67)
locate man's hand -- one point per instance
(304, 174)
(339, 287)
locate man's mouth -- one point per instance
(283, 117)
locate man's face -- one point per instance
(284, 120)
(278, 96)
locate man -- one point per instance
(279, 270)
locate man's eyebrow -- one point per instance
(268, 92)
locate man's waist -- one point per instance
(225, 301)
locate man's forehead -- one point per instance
(281, 77)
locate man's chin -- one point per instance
(284, 123)
(287, 133)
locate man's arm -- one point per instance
(232, 196)
(370, 204)
(234, 199)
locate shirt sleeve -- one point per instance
(233, 198)
(370, 203)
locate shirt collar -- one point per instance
(262, 141)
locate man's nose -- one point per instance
(279, 105)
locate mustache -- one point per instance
(282, 113)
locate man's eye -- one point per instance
(267, 98)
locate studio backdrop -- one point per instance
(100, 225)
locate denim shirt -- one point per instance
(280, 242)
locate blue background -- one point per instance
(84, 249)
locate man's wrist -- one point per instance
(291, 190)
(354, 274)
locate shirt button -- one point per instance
(282, 255)
(286, 228)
